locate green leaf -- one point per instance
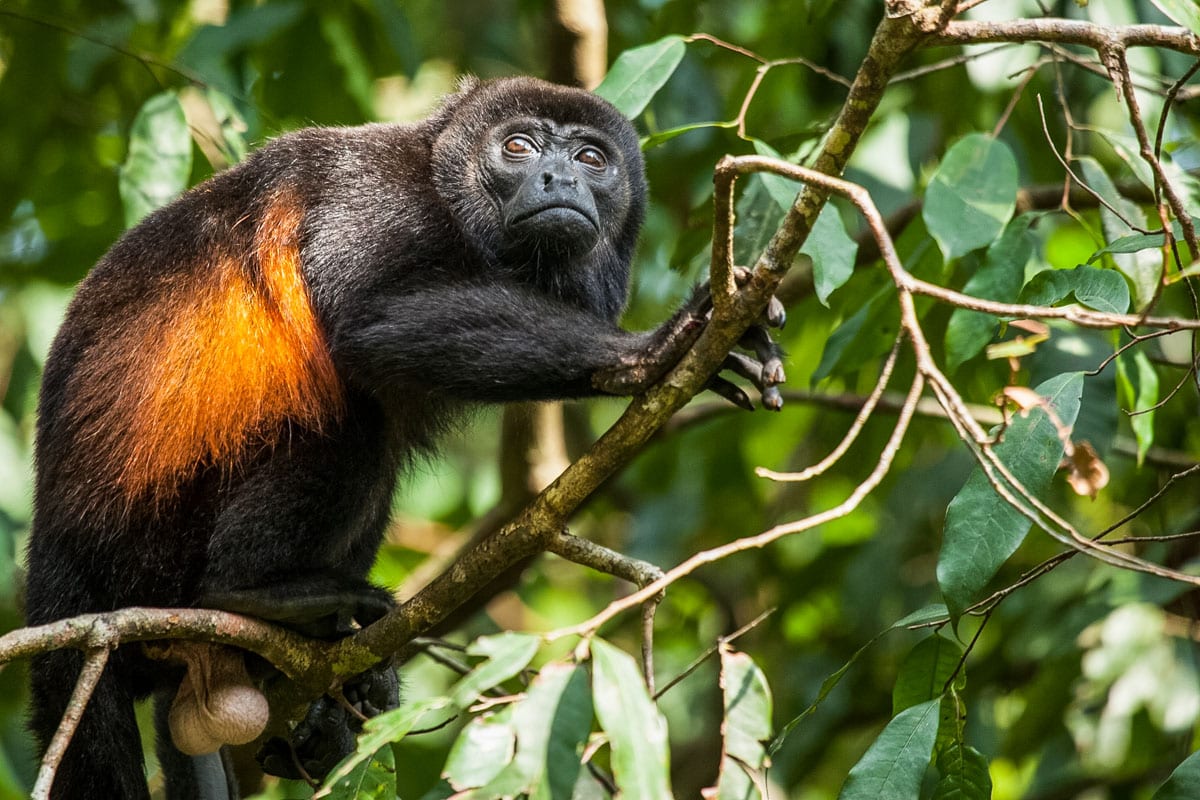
(373, 778)
(965, 775)
(1184, 783)
(637, 74)
(159, 162)
(982, 530)
(637, 733)
(833, 253)
(552, 722)
(1184, 12)
(972, 195)
(655, 139)
(828, 245)
(999, 279)
(1140, 394)
(758, 217)
(925, 671)
(378, 734)
(346, 50)
(747, 724)
(1136, 242)
(507, 654)
(866, 334)
(935, 612)
(233, 127)
(1102, 289)
(483, 748)
(1142, 269)
(895, 763)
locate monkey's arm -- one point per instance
(499, 342)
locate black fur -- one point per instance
(426, 302)
(446, 264)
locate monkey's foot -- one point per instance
(327, 733)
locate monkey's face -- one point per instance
(557, 187)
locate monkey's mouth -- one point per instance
(557, 217)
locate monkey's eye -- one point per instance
(591, 157)
(518, 146)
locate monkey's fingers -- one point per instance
(758, 340)
(754, 372)
(730, 391)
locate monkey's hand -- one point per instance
(327, 733)
(662, 348)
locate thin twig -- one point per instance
(856, 427)
(89, 676)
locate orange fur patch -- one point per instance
(231, 361)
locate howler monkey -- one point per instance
(240, 379)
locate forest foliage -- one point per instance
(998, 598)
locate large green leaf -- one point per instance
(1184, 783)
(1139, 393)
(982, 529)
(999, 279)
(1101, 289)
(828, 245)
(637, 733)
(894, 765)
(965, 775)
(637, 74)
(1185, 12)
(972, 195)
(159, 162)
(507, 654)
(746, 726)
(925, 671)
(551, 724)
(378, 734)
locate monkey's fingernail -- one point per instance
(772, 399)
(772, 372)
(776, 314)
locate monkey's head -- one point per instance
(535, 169)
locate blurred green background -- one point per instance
(74, 76)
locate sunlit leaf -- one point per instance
(655, 139)
(637, 732)
(747, 724)
(551, 724)
(483, 748)
(1139, 393)
(982, 529)
(372, 778)
(159, 162)
(972, 195)
(1185, 12)
(378, 734)
(637, 74)
(507, 654)
(895, 763)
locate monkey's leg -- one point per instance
(318, 606)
